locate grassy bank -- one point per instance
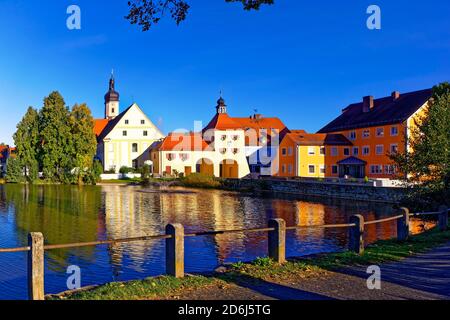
(265, 269)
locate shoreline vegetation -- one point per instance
(260, 270)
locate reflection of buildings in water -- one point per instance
(417, 226)
(129, 214)
(309, 214)
(227, 215)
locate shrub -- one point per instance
(200, 180)
(125, 170)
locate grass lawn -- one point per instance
(265, 269)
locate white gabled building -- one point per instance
(123, 137)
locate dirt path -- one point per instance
(421, 277)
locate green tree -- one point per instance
(147, 13)
(84, 141)
(427, 164)
(57, 145)
(26, 140)
(14, 171)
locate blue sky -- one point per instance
(302, 61)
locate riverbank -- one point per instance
(318, 270)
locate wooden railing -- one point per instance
(175, 236)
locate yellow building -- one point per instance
(302, 154)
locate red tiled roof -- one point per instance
(183, 142)
(300, 137)
(100, 125)
(223, 121)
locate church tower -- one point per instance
(111, 100)
(221, 106)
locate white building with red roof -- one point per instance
(123, 137)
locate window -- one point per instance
(311, 169)
(366, 134)
(235, 151)
(235, 138)
(223, 150)
(394, 131)
(352, 135)
(355, 151)
(346, 151)
(124, 133)
(322, 169)
(334, 151)
(134, 147)
(366, 150)
(380, 149)
(380, 132)
(112, 110)
(290, 168)
(145, 133)
(283, 168)
(311, 151)
(142, 121)
(389, 169)
(376, 169)
(127, 122)
(134, 164)
(223, 137)
(290, 151)
(283, 151)
(394, 148)
(170, 156)
(322, 151)
(184, 156)
(334, 169)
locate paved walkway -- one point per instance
(424, 277)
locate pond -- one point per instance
(67, 214)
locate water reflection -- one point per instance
(67, 214)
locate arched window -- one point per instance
(134, 147)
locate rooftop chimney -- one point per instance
(368, 103)
(395, 95)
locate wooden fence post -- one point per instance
(356, 234)
(277, 240)
(443, 218)
(175, 250)
(36, 266)
(403, 225)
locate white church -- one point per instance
(123, 137)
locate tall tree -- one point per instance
(427, 164)
(26, 140)
(55, 139)
(146, 13)
(83, 140)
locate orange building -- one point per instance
(304, 154)
(376, 128)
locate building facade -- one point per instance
(123, 137)
(304, 154)
(226, 147)
(376, 128)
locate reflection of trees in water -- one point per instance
(64, 214)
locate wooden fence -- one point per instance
(175, 236)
